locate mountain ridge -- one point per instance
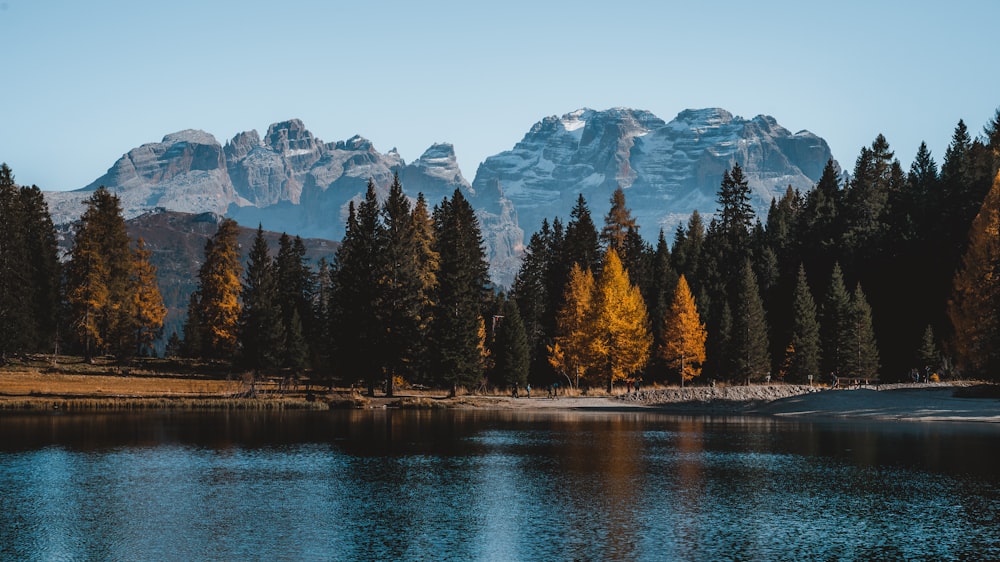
(290, 180)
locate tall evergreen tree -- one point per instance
(928, 356)
(862, 358)
(261, 337)
(749, 335)
(463, 286)
(401, 285)
(16, 323)
(581, 243)
(663, 283)
(617, 223)
(355, 327)
(294, 293)
(736, 214)
(835, 325)
(820, 223)
(687, 250)
(538, 292)
(804, 363)
(42, 269)
(510, 347)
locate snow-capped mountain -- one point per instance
(290, 181)
(666, 169)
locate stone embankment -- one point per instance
(721, 399)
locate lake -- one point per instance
(493, 485)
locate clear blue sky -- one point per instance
(84, 82)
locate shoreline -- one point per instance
(36, 392)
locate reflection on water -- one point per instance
(493, 485)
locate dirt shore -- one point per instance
(38, 390)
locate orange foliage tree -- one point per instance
(976, 291)
(621, 338)
(571, 353)
(684, 334)
(217, 300)
(147, 302)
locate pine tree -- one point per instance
(976, 292)
(621, 339)
(928, 356)
(510, 347)
(662, 286)
(147, 303)
(530, 291)
(749, 335)
(687, 249)
(16, 322)
(876, 175)
(216, 302)
(820, 223)
(463, 285)
(617, 223)
(835, 325)
(581, 244)
(43, 269)
(736, 214)
(571, 354)
(261, 337)
(862, 359)
(804, 363)
(684, 335)
(400, 302)
(294, 291)
(174, 346)
(355, 327)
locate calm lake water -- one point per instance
(473, 485)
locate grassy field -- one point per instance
(71, 383)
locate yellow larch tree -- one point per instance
(976, 293)
(684, 334)
(218, 294)
(621, 335)
(571, 353)
(147, 302)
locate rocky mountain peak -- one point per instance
(290, 136)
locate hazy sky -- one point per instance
(84, 82)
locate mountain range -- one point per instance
(290, 181)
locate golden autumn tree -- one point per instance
(147, 302)
(973, 308)
(571, 352)
(217, 299)
(98, 278)
(621, 336)
(684, 334)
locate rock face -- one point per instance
(666, 169)
(185, 172)
(290, 181)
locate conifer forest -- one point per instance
(884, 272)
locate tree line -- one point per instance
(103, 299)
(860, 277)
(884, 273)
